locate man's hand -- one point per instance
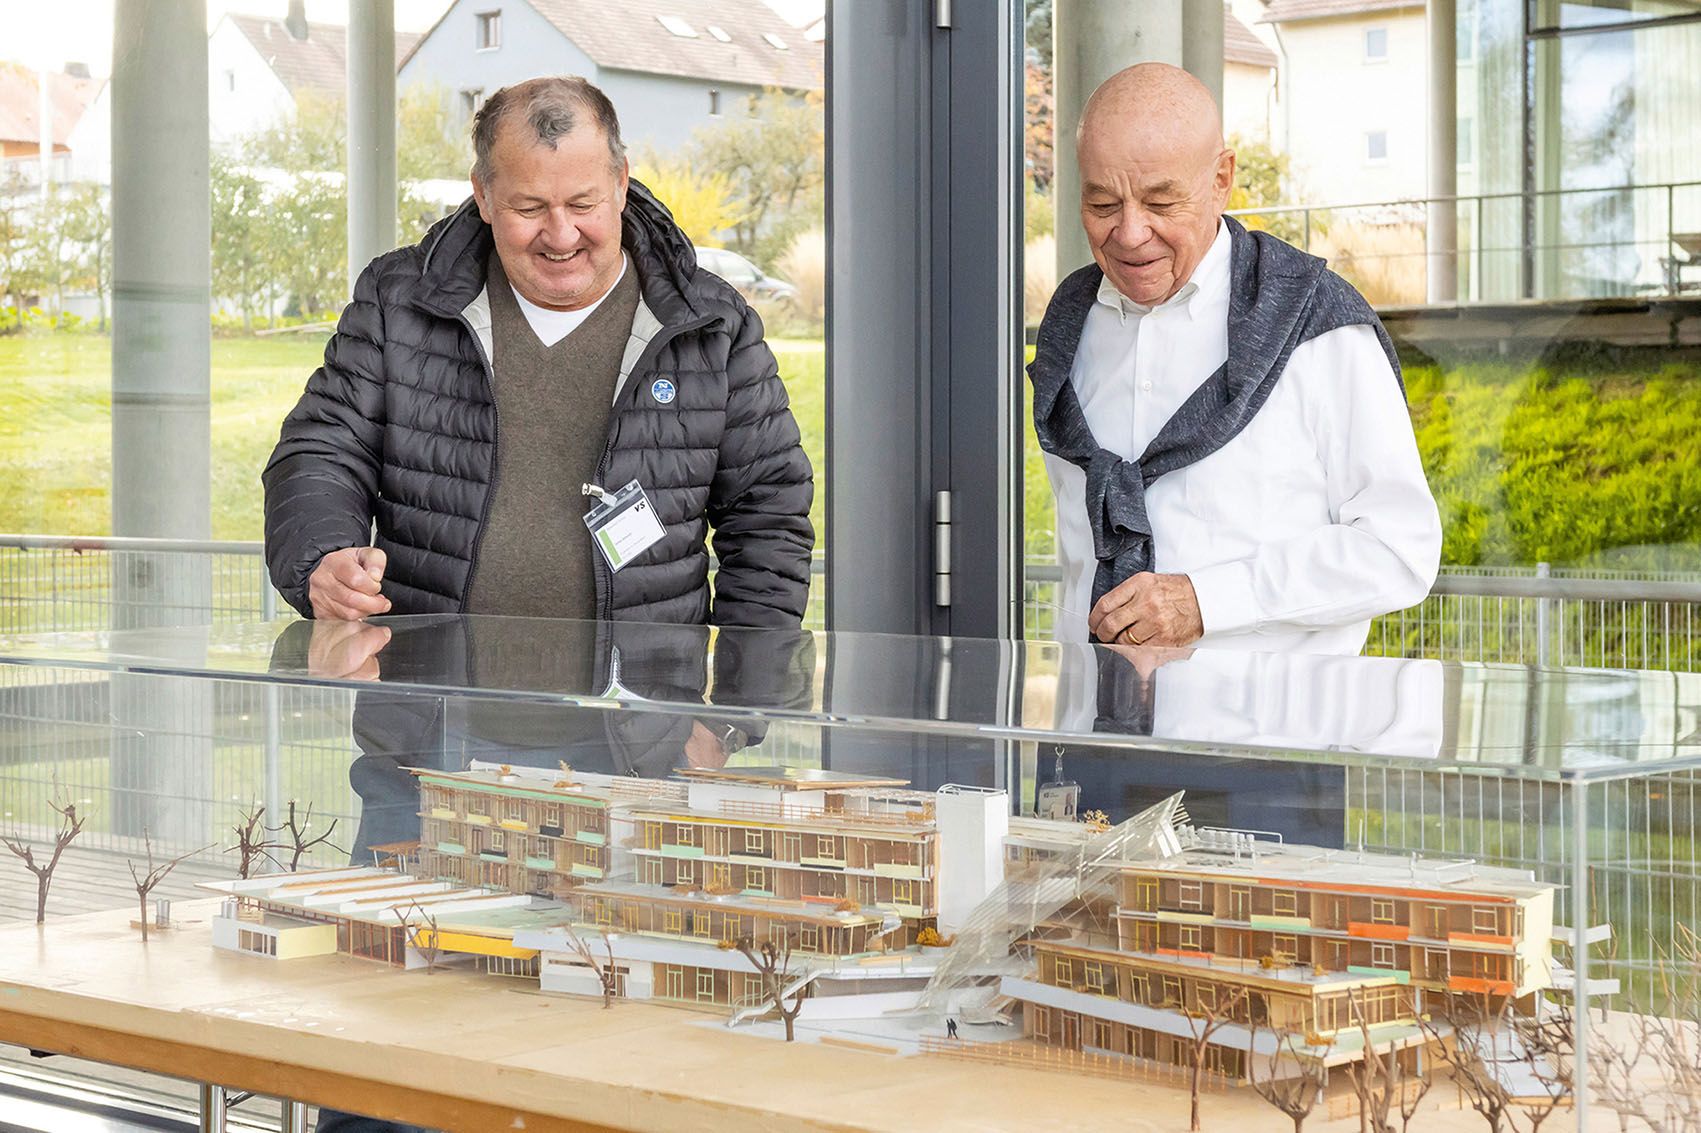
(704, 748)
(1149, 659)
(346, 585)
(1149, 609)
(341, 650)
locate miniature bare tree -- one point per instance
(251, 842)
(298, 827)
(772, 963)
(1296, 1095)
(1203, 1022)
(1412, 1093)
(1650, 1070)
(604, 968)
(70, 825)
(430, 953)
(146, 881)
(1477, 1073)
(1376, 1077)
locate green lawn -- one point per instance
(56, 425)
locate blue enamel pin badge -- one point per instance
(662, 390)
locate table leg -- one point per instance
(212, 1108)
(294, 1117)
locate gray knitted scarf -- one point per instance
(1279, 298)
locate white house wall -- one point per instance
(1338, 98)
(244, 94)
(662, 111)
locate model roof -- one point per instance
(788, 778)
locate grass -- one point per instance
(56, 425)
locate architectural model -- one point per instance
(1111, 939)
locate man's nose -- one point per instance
(1133, 226)
(561, 231)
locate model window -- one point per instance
(685, 835)
(1172, 990)
(732, 927)
(824, 846)
(791, 847)
(1381, 912)
(1192, 895)
(1284, 903)
(1140, 989)
(1382, 955)
(605, 912)
(1101, 1034)
(674, 980)
(809, 938)
(1190, 938)
(489, 26)
(1375, 45)
(699, 924)
(1146, 894)
(552, 814)
(1285, 946)
(673, 921)
(684, 874)
(652, 835)
(753, 841)
(755, 877)
(1240, 903)
(588, 855)
(1041, 1025)
(516, 808)
(591, 820)
(498, 840)
(705, 983)
(1205, 996)
(1093, 974)
(650, 871)
(475, 805)
(1485, 921)
(1062, 972)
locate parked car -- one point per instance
(751, 281)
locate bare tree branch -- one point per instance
(298, 827)
(772, 964)
(70, 825)
(146, 881)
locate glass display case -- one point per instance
(1566, 785)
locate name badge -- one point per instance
(622, 524)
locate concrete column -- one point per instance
(1442, 234)
(44, 119)
(161, 387)
(371, 133)
(1091, 40)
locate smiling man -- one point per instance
(549, 344)
(1222, 417)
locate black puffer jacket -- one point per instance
(399, 428)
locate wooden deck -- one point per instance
(89, 881)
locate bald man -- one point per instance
(1222, 417)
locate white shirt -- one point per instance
(553, 326)
(1315, 518)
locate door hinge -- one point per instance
(942, 548)
(942, 13)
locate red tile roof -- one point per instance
(20, 103)
(630, 37)
(1241, 46)
(319, 62)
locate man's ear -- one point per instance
(625, 182)
(481, 200)
(1224, 182)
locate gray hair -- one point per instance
(551, 107)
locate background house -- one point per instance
(669, 66)
(69, 94)
(1250, 88)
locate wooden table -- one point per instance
(465, 1051)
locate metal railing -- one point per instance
(1662, 220)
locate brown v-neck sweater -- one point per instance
(552, 418)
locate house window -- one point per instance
(1041, 1025)
(1190, 938)
(1284, 903)
(791, 847)
(755, 877)
(1381, 955)
(471, 99)
(1240, 903)
(1376, 45)
(650, 871)
(809, 938)
(1285, 946)
(720, 876)
(1100, 1034)
(714, 104)
(753, 841)
(1139, 989)
(1093, 974)
(699, 924)
(552, 814)
(824, 846)
(673, 921)
(903, 891)
(605, 912)
(516, 808)
(588, 855)
(1146, 894)
(705, 983)
(1062, 972)
(498, 840)
(1485, 921)
(489, 26)
(1205, 996)
(684, 835)
(230, 80)
(1376, 145)
(1381, 912)
(652, 835)
(684, 874)
(1172, 990)
(1192, 895)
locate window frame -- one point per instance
(487, 30)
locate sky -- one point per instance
(63, 31)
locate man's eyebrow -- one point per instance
(1164, 188)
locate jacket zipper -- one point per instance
(495, 464)
(600, 572)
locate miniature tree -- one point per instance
(146, 881)
(1296, 1096)
(1651, 1070)
(771, 962)
(604, 968)
(1376, 1077)
(1411, 1094)
(1204, 1021)
(251, 841)
(430, 953)
(70, 825)
(1474, 1072)
(298, 827)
